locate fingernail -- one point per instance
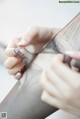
(44, 96)
(67, 58)
(19, 52)
(16, 51)
(18, 75)
(22, 42)
(24, 61)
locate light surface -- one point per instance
(62, 115)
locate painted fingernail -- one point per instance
(19, 52)
(16, 51)
(18, 75)
(67, 58)
(22, 42)
(24, 61)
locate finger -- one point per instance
(36, 34)
(49, 87)
(56, 81)
(50, 100)
(11, 45)
(14, 52)
(64, 72)
(18, 75)
(11, 62)
(10, 52)
(75, 55)
(16, 69)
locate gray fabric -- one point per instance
(25, 103)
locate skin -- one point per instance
(34, 39)
(61, 85)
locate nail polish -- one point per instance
(18, 75)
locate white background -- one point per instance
(17, 15)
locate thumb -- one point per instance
(74, 55)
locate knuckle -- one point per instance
(68, 97)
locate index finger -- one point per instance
(11, 46)
(13, 43)
(74, 55)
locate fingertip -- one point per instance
(6, 65)
(10, 52)
(18, 75)
(44, 96)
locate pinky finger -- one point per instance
(18, 75)
(50, 100)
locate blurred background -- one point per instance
(17, 15)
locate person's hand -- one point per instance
(34, 39)
(13, 63)
(61, 85)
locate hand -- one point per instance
(34, 39)
(62, 85)
(13, 63)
